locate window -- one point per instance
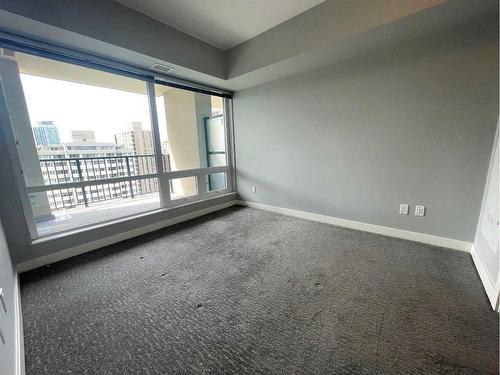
(192, 136)
(96, 146)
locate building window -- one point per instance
(89, 150)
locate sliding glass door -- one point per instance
(94, 146)
(192, 126)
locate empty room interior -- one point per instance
(249, 187)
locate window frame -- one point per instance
(44, 50)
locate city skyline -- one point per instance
(87, 158)
(76, 135)
(103, 110)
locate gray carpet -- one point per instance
(243, 291)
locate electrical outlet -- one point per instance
(403, 209)
(254, 189)
(419, 210)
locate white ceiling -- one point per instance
(221, 23)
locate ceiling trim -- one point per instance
(221, 23)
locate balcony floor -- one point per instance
(78, 217)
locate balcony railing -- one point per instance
(111, 174)
(81, 182)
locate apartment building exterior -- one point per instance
(87, 159)
(140, 142)
(46, 133)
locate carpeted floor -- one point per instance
(244, 291)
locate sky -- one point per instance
(76, 106)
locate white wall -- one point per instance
(486, 250)
(8, 352)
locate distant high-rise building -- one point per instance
(136, 139)
(140, 142)
(46, 133)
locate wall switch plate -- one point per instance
(403, 209)
(254, 189)
(419, 210)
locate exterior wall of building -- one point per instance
(185, 112)
(81, 136)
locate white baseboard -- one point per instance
(93, 245)
(491, 289)
(18, 321)
(372, 228)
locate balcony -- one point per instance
(123, 187)
(110, 169)
(79, 192)
(71, 218)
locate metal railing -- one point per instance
(113, 171)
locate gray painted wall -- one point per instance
(7, 321)
(412, 123)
